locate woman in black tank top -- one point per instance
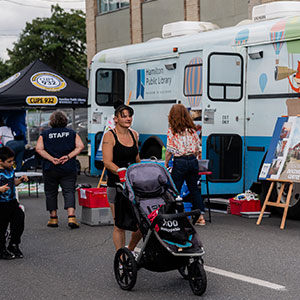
(120, 149)
(123, 156)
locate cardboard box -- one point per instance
(93, 197)
(203, 165)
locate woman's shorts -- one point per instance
(111, 194)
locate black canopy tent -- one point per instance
(38, 86)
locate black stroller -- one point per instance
(170, 241)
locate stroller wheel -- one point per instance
(125, 268)
(184, 272)
(197, 278)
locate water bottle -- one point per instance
(163, 153)
(179, 204)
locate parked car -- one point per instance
(34, 131)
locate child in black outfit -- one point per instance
(10, 212)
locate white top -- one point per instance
(6, 135)
(29, 174)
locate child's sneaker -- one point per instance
(14, 249)
(4, 254)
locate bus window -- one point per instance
(109, 86)
(224, 152)
(224, 85)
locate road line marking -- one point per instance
(248, 279)
(240, 277)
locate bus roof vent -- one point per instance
(244, 22)
(275, 10)
(155, 39)
(186, 27)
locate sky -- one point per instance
(15, 13)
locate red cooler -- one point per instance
(93, 197)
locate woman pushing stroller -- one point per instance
(170, 241)
(120, 149)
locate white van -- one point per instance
(235, 81)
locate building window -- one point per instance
(111, 5)
(224, 152)
(224, 85)
(109, 86)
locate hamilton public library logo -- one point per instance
(48, 81)
(140, 87)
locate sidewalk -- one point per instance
(60, 263)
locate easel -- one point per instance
(285, 205)
(101, 178)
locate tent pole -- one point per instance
(27, 129)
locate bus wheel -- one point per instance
(153, 150)
(294, 207)
(265, 185)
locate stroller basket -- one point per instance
(178, 215)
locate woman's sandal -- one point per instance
(200, 222)
(53, 222)
(72, 223)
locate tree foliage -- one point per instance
(59, 41)
(4, 70)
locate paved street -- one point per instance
(78, 264)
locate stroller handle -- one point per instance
(172, 216)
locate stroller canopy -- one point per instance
(148, 179)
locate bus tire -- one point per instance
(294, 207)
(153, 150)
(265, 185)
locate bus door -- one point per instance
(223, 118)
(108, 84)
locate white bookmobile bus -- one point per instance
(235, 81)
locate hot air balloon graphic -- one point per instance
(263, 79)
(292, 31)
(193, 82)
(242, 37)
(277, 35)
